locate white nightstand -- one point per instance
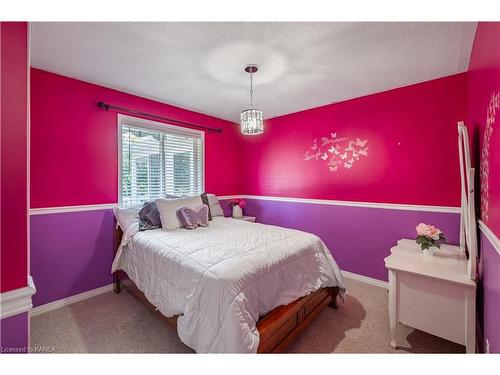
(433, 293)
(246, 218)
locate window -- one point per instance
(158, 160)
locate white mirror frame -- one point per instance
(468, 228)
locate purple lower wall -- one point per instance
(489, 294)
(358, 237)
(14, 334)
(71, 253)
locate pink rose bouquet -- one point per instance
(429, 235)
(238, 202)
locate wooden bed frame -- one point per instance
(277, 329)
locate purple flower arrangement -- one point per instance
(238, 202)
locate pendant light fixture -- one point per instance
(252, 119)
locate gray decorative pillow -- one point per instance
(215, 207)
(204, 199)
(149, 217)
(192, 218)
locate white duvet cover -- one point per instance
(222, 278)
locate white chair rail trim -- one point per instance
(495, 241)
(62, 209)
(389, 206)
(17, 301)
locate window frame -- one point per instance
(138, 122)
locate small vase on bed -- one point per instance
(238, 204)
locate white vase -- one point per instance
(429, 251)
(237, 212)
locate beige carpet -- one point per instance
(111, 323)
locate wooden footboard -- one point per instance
(277, 329)
(282, 325)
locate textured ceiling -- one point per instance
(199, 66)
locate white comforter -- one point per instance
(222, 278)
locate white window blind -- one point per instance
(159, 161)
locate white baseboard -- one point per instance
(366, 279)
(69, 300)
(106, 288)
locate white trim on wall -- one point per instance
(17, 301)
(366, 279)
(70, 300)
(495, 241)
(90, 207)
(389, 206)
(62, 209)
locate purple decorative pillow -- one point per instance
(192, 218)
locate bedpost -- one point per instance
(334, 293)
(117, 287)
(118, 240)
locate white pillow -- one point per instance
(168, 210)
(215, 207)
(128, 220)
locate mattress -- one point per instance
(222, 278)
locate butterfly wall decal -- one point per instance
(364, 152)
(337, 151)
(325, 141)
(361, 143)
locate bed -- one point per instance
(231, 287)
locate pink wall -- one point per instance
(14, 146)
(74, 143)
(483, 83)
(412, 148)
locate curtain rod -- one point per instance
(107, 107)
